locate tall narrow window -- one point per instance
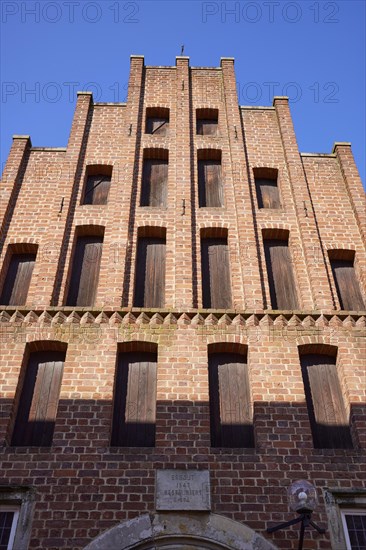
(157, 121)
(281, 278)
(327, 413)
(35, 420)
(154, 178)
(8, 523)
(85, 271)
(135, 400)
(354, 525)
(207, 122)
(98, 182)
(267, 188)
(210, 188)
(18, 276)
(150, 272)
(216, 281)
(230, 403)
(348, 288)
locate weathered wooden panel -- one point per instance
(207, 127)
(85, 271)
(327, 413)
(348, 288)
(230, 403)
(18, 278)
(210, 189)
(157, 125)
(97, 189)
(154, 183)
(280, 275)
(216, 280)
(135, 400)
(38, 403)
(150, 273)
(267, 193)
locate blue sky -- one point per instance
(312, 51)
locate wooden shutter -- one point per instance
(85, 271)
(135, 401)
(324, 399)
(216, 280)
(38, 403)
(267, 193)
(280, 274)
(348, 289)
(210, 189)
(154, 182)
(18, 278)
(97, 189)
(207, 127)
(230, 404)
(150, 273)
(157, 125)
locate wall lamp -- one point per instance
(302, 498)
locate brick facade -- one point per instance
(82, 485)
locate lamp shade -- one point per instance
(302, 496)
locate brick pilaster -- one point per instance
(247, 293)
(353, 184)
(59, 229)
(314, 283)
(11, 180)
(183, 203)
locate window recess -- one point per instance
(134, 409)
(97, 185)
(266, 185)
(207, 122)
(230, 401)
(157, 121)
(210, 184)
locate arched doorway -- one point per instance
(180, 531)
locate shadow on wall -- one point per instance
(117, 483)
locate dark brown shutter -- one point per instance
(154, 182)
(157, 125)
(97, 189)
(210, 189)
(150, 273)
(207, 127)
(267, 193)
(348, 289)
(135, 401)
(38, 402)
(230, 405)
(85, 271)
(18, 279)
(324, 399)
(280, 274)
(216, 280)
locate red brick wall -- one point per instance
(83, 485)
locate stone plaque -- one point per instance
(183, 490)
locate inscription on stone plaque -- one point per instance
(183, 490)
